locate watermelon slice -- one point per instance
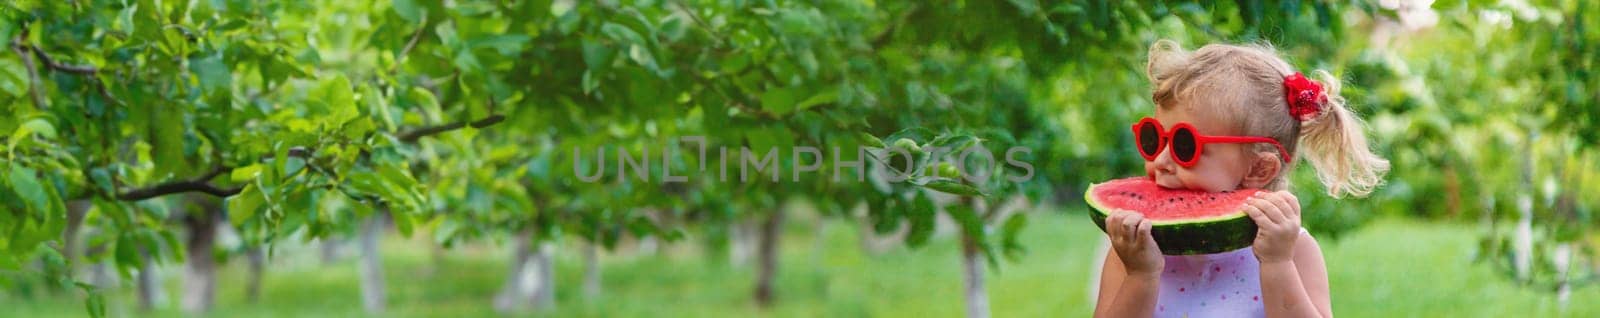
(1184, 222)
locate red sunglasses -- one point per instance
(1187, 143)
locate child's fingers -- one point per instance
(1114, 226)
(1130, 226)
(1256, 214)
(1111, 224)
(1144, 232)
(1294, 201)
(1268, 209)
(1114, 223)
(1284, 208)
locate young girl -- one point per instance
(1247, 91)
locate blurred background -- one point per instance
(483, 158)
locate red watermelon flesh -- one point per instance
(1184, 221)
(1160, 204)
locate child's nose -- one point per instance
(1162, 165)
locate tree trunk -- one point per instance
(819, 241)
(506, 300)
(329, 248)
(371, 268)
(1563, 260)
(972, 264)
(147, 282)
(649, 246)
(531, 281)
(200, 270)
(1566, 213)
(741, 245)
(1487, 211)
(544, 296)
(591, 270)
(436, 258)
(1522, 241)
(76, 210)
(257, 258)
(1452, 191)
(771, 233)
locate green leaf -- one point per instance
(506, 44)
(467, 62)
(429, 104)
(1009, 232)
(869, 140)
(336, 96)
(596, 55)
(212, 72)
(410, 10)
(52, 259)
(640, 55)
(243, 206)
(167, 141)
(398, 179)
(913, 133)
(378, 107)
(954, 143)
(827, 96)
(127, 252)
(245, 173)
(33, 127)
(779, 101)
(13, 76)
(26, 184)
(622, 34)
(953, 187)
(922, 220)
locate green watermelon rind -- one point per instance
(1208, 235)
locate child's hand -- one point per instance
(1277, 216)
(1130, 237)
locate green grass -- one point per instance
(1393, 268)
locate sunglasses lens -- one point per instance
(1149, 139)
(1183, 145)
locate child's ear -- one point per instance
(1264, 168)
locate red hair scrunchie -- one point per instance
(1305, 97)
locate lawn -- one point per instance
(1392, 268)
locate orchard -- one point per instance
(743, 158)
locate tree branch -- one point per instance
(51, 62)
(33, 73)
(414, 135)
(721, 40)
(203, 182)
(411, 44)
(198, 184)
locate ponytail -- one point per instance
(1337, 147)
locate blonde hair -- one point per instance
(1250, 79)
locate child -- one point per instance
(1229, 90)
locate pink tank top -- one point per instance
(1226, 284)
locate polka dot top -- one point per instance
(1226, 284)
